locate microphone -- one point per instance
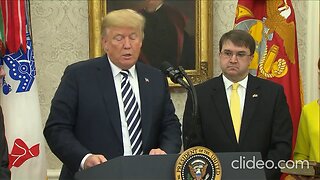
(175, 75)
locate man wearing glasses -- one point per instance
(239, 112)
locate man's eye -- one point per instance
(241, 54)
(133, 36)
(118, 38)
(228, 53)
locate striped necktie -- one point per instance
(132, 113)
(235, 109)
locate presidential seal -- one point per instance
(198, 163)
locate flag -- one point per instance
(272, 25)
(2, 40)
(19, 95)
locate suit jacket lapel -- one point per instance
(219, 98)
(145, 101)
(251, 101)
(106, 83)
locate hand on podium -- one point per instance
(93, 160)
(157, 151)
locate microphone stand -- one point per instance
(194, 100)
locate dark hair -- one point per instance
(319, 64)
(239, 38)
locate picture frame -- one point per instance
(203, 31)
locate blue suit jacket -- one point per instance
(84, 116)
(266, 122)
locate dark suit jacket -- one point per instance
(266, 122)
(84, 116)
(4, 170)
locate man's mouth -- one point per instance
(232, 67)
(127, 55)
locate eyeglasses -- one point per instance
(229, 54)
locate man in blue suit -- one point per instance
(87, 124)
(264, 124)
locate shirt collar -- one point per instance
(116, 70)
(158, 7)
(228, 83)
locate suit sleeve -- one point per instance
(170, 136)
(191, 130)
(4, 170)
(59, 128)
(281, 140)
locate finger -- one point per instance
(157, 152)
(161, 152)
(151, 152)
(93, 160)
(102, 159)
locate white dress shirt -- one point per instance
(241, 91)
(133, 79)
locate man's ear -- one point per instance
(140, 44)
(104, 44)
(251, 57)
(104, 40)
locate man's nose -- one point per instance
(127, 43)
(234, 58)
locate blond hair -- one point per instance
(123, 18)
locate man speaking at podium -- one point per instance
(112, 105)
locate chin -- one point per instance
(127, 65)
(233, 73)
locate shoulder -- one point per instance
(213, 83)
(174, 13)
(86, 65)
(210, 82)
(264, 83)
(151, 77)
(148, 70)
(171, 9)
